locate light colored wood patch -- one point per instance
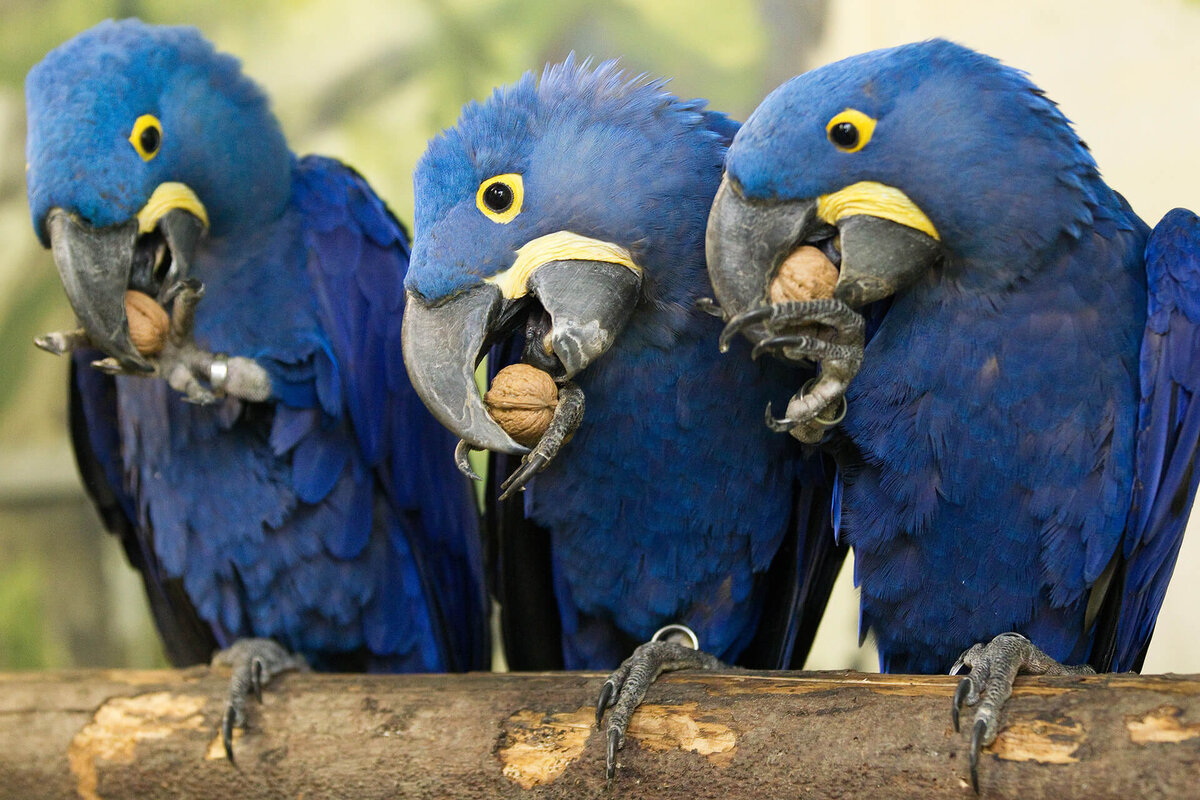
(1040, 740)
(122, 722)
(540, 746)
(216, 748)
(662, 728)
(1162, 725)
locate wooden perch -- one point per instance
(125, 734)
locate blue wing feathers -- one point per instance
(1168, 431)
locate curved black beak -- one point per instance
(441, 345)
(94, 265)
(588, 303)
(747, 240)
(98, 265)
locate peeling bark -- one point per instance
(117, 734)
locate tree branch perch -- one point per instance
(130, 734)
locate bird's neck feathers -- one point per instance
(1011, 223)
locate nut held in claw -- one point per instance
(522, 400)
(806, 274)
(148, 322)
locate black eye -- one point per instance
(150, 140)
(498, 197)
(844, 135)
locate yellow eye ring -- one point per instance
(146, 137)
(850, 131)
(500, 197)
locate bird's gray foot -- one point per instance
(201, 376)
(825, 332)
(567, 416)
(993, 668)
(62, 342)
(626, 687)
(254, 663)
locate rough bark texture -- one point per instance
(115, 734)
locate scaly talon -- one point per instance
(255, 662)
(567, 416)
(787, 332)
(994, 666)
(626, 687)
(531, 464)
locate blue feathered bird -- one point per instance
(570, 212)
(1018, 447)
(306, 495)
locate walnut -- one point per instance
(522, 400)
(806, 274)
(148, 322)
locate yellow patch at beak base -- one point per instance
(875, 200)
(168, 196)
(558, 246)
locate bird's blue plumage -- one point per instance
(671, 500)
(1168, 429)
(998, 440)
(330, 517)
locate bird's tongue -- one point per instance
(539, 350)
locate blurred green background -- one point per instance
(370, 81)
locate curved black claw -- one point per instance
(616, 740)
(977, 734)
(109, 366)
(227, 733)
(461, 451)
(192, 288)
(993, 669)
(567, 416)
(960, 697)
(607, 692)
(740, 322)
(709, 306)
(779, 424)
(625, 688)
(61, 342)
(254, 663)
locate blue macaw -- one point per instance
(304, 494)
(571, 211)
(1016, 455)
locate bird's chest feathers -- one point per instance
(258, 298)
(964, 394)
(672, 448)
